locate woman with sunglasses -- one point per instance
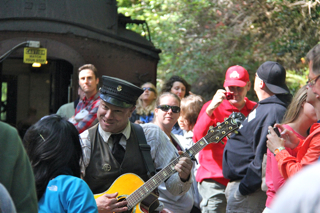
(54, 150)
(146, 103)
(167, 113)
(181, 88)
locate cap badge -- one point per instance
(119, 88)
(234, 74)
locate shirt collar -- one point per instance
(91, 98)
(106, 135)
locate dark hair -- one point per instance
(191, 107)
(89, 67)
(169, 83)
(314, 56)
(53, 147)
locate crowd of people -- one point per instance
(124, 148)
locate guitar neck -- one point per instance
(141, 193)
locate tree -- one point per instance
(200, 39)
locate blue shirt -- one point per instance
(67, 193)
(147, 118)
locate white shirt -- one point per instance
(300, 193)
(187, 142)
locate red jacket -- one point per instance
(210, 158)
(307, 153)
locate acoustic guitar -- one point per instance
(135, 191)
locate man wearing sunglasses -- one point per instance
(111, 148)
(209, 175)
(244, 151)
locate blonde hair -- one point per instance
(295, 106)
(167, 94)
(191, 107)
(150, 108)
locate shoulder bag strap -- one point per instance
(145, 149)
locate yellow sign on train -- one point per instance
(34, 55)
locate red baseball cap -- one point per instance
(236, 76)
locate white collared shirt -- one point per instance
(123, 141)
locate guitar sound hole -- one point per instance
(122, 198)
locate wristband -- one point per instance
(277, 150)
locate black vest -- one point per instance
(104, 169)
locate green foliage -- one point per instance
(296, 81)
(200, 39)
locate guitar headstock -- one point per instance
(232, 123)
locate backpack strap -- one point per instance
(145, 149)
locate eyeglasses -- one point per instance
(165, 108)
(150, 89)
(313, 81)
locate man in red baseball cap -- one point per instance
(212, 184)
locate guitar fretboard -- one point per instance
(142, 192)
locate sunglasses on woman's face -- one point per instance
(150, 89)
(165, 108)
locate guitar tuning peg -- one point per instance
(218, 123)
(222, 142)
(225, 119)
(228, 136)
(210, 127)
(236, 132)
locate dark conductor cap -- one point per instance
(119, 92)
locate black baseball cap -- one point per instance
(119, 92)
(274, 76)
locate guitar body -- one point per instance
(125, 185)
